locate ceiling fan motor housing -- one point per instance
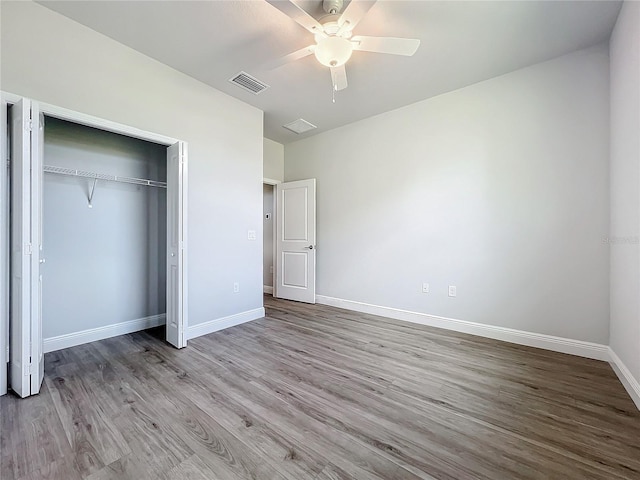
(332, 6)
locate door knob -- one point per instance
(310, 247)
(43, 260)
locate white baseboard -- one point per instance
(267, 289)
(538, 340)
(93, 334)
(224, 322)
(630, 383)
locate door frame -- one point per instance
(273, 183)
(7, 99)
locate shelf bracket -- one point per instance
(93, 189)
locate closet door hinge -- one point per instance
(28, 249)
(28, 369)
(28, 125)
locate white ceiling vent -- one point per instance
(249, 83)
(299, 126)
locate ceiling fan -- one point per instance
(334, 36)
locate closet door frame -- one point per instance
(8, 99)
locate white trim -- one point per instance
(103, 124)
(86, 336)
(271, 181)
(630, 383)
(267, 289)
(4, 246)
(184, 314)
(224, 322)
(548, 342)
(10, 98)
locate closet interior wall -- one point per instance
(105, 264)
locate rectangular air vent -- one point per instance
(299, 126)
(249, 83)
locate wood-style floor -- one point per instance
(314, 392)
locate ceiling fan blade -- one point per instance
(292, 57)
(339, 78)
(354, 12)
(295, 11)
(391, 45)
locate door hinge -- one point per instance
(28, 125)
(28, 249)
(28, 369)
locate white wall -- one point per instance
(273, 160)
(500, 188)
(106, 264)
(624, 51)
(268, 192)
(50, 58)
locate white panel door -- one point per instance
(27, 361)
(176, 243)
(296, 241)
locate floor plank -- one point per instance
(319, 393)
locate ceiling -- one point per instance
(461, 43)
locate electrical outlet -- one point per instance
(425, 288)
(236, 287)
(251, 235)
(452, 291)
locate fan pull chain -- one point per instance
(333, 93)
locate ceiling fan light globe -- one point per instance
(333, 51)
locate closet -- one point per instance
(104, 232)
(97, 234)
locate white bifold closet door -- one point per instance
(27, 356)
(176, 253)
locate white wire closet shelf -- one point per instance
(103, 176)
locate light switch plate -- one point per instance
(251, 235)
(425, 288)
(452, 291)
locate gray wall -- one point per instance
(273, 160)
(500, 188)
(105, 264)
(64, 63)
(625, 187)
(267, 243)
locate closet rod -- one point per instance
(103, 176)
